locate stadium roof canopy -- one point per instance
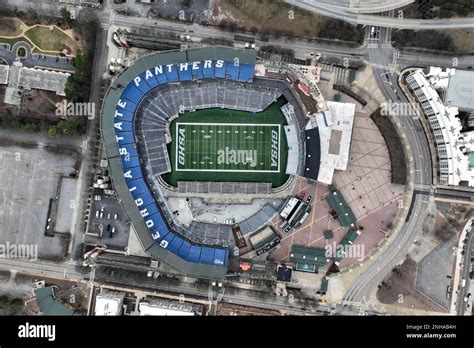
(307, 259)
(340, 206)
(313, 154)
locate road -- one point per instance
(463, 291)
(363, 6)
(325, 9)
(421, 176)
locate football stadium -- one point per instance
(197, 122)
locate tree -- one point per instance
(16, 302)
(66, 15)
(52, 132)
(3, 300)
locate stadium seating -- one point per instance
(219, 71)
(161, 77)
(130, 162)
(161, 102)
(184, 249)
(246, 72)
(137, 186)
(208, 72)
(184, 72)
(123, 126)
(133, 173)
(232, 70)
(124, 138)
(172, 74)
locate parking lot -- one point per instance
(109, 222)
(29, 178)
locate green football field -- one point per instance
(228, 147)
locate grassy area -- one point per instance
(428, 39)
(271, 115)
(13, 41)
(462, 39)
(226, 147)
(10, 27)
(51, 40)
(273, 15)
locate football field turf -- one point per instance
(228, 147)
(201, 153)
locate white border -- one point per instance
(229, 124)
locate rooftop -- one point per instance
(307, 259)
(48, 303)
(460, 91)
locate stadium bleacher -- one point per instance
(157, 106)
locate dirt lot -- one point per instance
(269, 14)
(450, 220)
(399, 289)
(10, 27)
(462, 39)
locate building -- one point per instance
(342, 210)
(165, 307)
(335, 131)
(341, 250)
(455, 148)
(308, 259)
(459, 88)
(16, 76)
(90, 3)
(284, 273)
(263, 241)
(48, 303)
(294, 212)
(109, 303)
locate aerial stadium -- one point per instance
(199, 123)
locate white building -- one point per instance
(455, 148)
(335, 132)
(109, 303)
(16, 76)
(164, 307)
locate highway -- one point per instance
(420, 173)
(326, 9)
(364, 6)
